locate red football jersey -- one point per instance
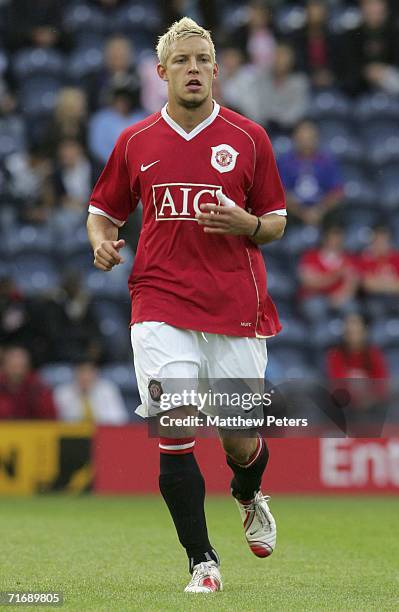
(370, 264)
(181, 275)
(316, 260)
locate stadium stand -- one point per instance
(42, 236)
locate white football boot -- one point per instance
(259, 525)
(206, 578)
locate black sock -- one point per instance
(247, 478)
(183, 489)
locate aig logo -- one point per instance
(180, 201)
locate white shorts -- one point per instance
(167, 357)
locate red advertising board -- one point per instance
(126, 461)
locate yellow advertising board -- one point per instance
(46, 456)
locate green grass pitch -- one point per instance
(117, 554)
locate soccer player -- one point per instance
(211, 194)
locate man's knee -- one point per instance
(239, 449)
(170, 423)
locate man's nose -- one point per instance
(193, 67)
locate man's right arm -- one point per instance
(103, 236)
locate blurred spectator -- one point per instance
(369, 53)
(109, 5)
(379, 270)
(328, 277)
(90, 398)
(22, 393)
(203, 11)
(256, 37)
(153, 89)
(236, 80)
(119, 72)
(68, 121)
(36, 24)
(312, 177)
(29, 184)
(282, 94)
(17, 316)
(314, 45)
(355, 358)
(106, 125)
(364, 368)
(71, 322)
(12, 124)
(74, 177)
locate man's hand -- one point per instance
(226, 218)
(106, 255)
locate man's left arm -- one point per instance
(265, 217)
(238, 222)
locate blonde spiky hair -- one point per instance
(179, 30)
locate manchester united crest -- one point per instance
(223, 158)
(155, 389)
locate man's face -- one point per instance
(16, 364)
(189, 72)
(306, 138)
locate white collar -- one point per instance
(201, 126)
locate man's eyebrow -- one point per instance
(201, 53)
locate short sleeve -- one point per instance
(112, 195)
(266, 194)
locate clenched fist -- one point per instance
(106, 255)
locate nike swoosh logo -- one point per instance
(144, 168)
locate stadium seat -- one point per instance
(385, 333)
(39, 94)
(34, 273)
(344, 18)
(335, 126)
(376, 106)
(111, 285)
(357, 235)
(290, 18)
(281, 145)
(57, 373)
(291, 363)
(338, 137)
(85, 61)
(346, 147)
(299, 239)
(280, 283)
(86, 24)
(358, 188)
(295, 334)
(139, 19)
(123, 375)
(393, 222)
(388, 186)
(114, 328)
(73, 247)
(327, 334)
(38, 62)
(392, 356)
(29, 240)
(12, 136)
(329, 104)
(381, 139)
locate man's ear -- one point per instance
(162, 72)
(215, 70)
